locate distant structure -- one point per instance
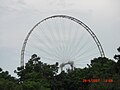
(71, 63)
(64, 39)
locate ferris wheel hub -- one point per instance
(71, 63)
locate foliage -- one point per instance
(36, 75)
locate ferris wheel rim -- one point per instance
(96, 40)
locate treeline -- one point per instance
(37, 75)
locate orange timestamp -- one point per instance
(97, 80)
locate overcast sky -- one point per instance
(17, 17)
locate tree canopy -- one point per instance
(101, 74)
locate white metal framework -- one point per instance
(91, 33)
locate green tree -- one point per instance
(36, 73)
(117, 57)
(7, 82)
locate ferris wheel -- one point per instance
(63, 39)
